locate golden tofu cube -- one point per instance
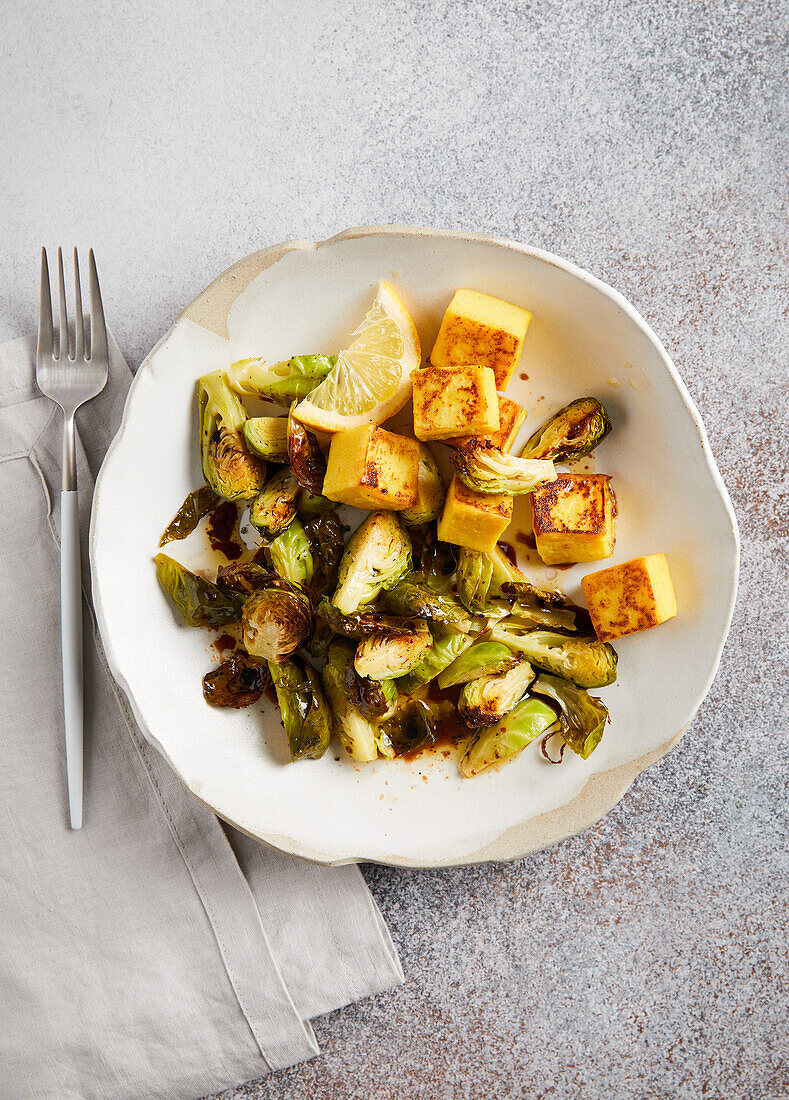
(478, 328)
(460, 401)
(369, 467)
(574, 519)
(633, 596)
(474, 520)
(511, 417)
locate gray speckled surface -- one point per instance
(647, 142)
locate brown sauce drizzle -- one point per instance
(222, 529)
(508, 550)
(526, 539)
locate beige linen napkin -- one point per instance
(155, 953)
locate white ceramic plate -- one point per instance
(303, 297)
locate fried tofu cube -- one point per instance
(369, 467)
(511, 417)
(459, 401)
(633, 596)
(574, 519)
(478, 328)
(474, 520)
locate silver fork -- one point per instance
(70, 381)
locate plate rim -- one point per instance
(602, 791)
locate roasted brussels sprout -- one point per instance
(197, 504)
(583, 716)
(377, 556)
(445, 649)
(411, 727)
(583, 660)
(365, 624)
(228, 467)
(307, 460)
(327, 539)
(529, 607)
(486, 470)
(480, 659)
(237, 682)
(311, 505)
(375, 699)
(474, 576)
(487, 699)
(356, 733)
(243, 579)
(571, 433)
(305, 713)
(291, 554)
(435, 561)
(388, 657)
(199, 602)
(430, 491)
(277, 620)
(274, 508)
(413, 598)
(267, 437)
(525, 722)
(283, 382)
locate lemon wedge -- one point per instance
(371, 380)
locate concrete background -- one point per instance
(647, 142)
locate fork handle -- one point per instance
(71, 643)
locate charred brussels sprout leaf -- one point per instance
(282, 382)
(243, 579)
(228, 467)
(474, 576)
(531, 607)
(237, 682)
(357, 734)
(277, 620)
(197, 504)
(327, 539)
(480, 659)
(411, 728)
(274, 508)
(199, 602)
(305, 713)
(364, 624)
(307, 460)
(291, 555)
(529, 720)
(443, 653)
(413, 598)
(485, 469)
(267, 437)
(583, 717)
(486, 700)
(430, 491)
(582, 660)
(571, 433)
(377, 556)
(386, 658)
(375, 699)
(311, 505)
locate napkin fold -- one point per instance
(157, 952)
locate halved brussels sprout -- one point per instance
(267, 437)
(364, 624)
(413, 598)
(305, 713)
(199, 602)
(228, 467)
(377, 556)
(277, 620)
(485, 469)
(386, 658)
(356, 733)
(197, 504)
(274, 508)
(526, 722)
(307, 460)
(480, 659)
(375, 699)
(572, 432)
(282, 382)
(487, 699)
(445, 650)
(312, 505)
(327, 539)
(583, 716)
(411, 727)
(430, 491)
(243, 579)
(474, 577)
(529, 607)
(237, 682)
(585, 661)
(291, 554)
